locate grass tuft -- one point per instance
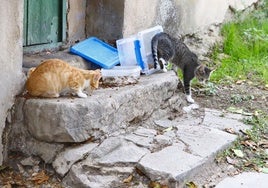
(245, 49)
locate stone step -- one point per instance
(116, 132)
(33, 60)
(169, 151)
(107, 110)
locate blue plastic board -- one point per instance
(97, 51)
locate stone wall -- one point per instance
(11, 77)
(76, 20)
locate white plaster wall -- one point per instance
(241, 4)
(199, 14)
(138, 14)
(177, 16)
(11, 77)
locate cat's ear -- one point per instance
(207, 70)
(211, 70)
(202, 69)
(97, 75)
(30, 71)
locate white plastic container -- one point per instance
(121, 75)
(137, 50)
(126, 51)
(133, 71)
(145, 38)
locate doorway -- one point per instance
(44, 24)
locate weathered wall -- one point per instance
(176, 16)
(105, 18)
(139, 15)
(199, 14)
(76, 20)
(11, 77)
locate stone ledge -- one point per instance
(102, 113)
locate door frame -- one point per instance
(51, 46)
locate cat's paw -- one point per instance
(157, 66)
(189, 99)
(82, 95)
(164, 69)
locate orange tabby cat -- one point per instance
(55, 77)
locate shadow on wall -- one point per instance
(104, 19)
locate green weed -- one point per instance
(245, 48)
(235, 99)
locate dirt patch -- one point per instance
(30, 173)
(243, 96)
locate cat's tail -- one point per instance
(155, 51)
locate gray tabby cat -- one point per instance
(165, 48)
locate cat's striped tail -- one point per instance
(155, 51)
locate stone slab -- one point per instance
(245, 180)
(69, 156)
(175, 162)
(224, 120)
(204, 141)
(165, 123)
(140, 140)
(168, 163)
(78, 177)
(116, 150)
(142, 137)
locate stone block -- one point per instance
(204, 141)
(116, 150)
(168, 163)
(77, 177)
(104, 112)
(223, 120)
(64, 160)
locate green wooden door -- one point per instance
(43, 22)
